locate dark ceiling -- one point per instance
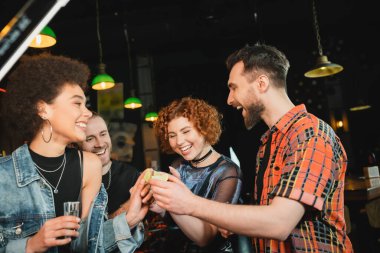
(160, 26)
(188, 40)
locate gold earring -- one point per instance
(51, 131)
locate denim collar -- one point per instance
(24, 167)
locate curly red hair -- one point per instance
(205, 117)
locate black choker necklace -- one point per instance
(196, 161)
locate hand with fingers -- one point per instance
(224, 232)
(55, 232)
(172, 195)
(156, 208)
(138, 202)
(146, 195)
(175, 172)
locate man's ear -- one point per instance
(263, 83)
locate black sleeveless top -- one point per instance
(71, 182)
(69, 187)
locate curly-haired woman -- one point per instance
(45, 102)
(190, 127)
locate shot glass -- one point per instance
(71, 208)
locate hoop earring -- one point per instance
(51, 132)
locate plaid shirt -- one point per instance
(307, 163)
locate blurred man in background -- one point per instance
(117, 176)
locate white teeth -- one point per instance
(81, 124)
(239, 107)
(101, 152)
(185, 148)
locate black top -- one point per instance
(69, 188)
(71, 181)
(123, 178)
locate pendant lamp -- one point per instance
(151, 116)
(132, 102)
(323, 66)
(360, 105)
(102, 81)
(46, 38)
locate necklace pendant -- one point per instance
(55, 191)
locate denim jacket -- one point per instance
(26, 203)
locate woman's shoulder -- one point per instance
(90, 155)
(226, 161)
(4, 159)
(92, 162)
(178, 162)
(228, 166)
(19, 160)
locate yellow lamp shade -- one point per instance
(102, 82)
(323, 67)
(151, 116)
(46, 38)
(132, 103)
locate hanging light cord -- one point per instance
(129, 58)
(316, 27)
(98, 32)
(257, 22)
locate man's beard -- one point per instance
(253, 115)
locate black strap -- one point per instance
(262, 168)
(81, 180)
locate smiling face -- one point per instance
(186, 140)
(98, 140)
(243, 96)
(67, 114)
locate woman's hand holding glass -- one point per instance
(55, 232)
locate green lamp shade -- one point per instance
(102, 82)
(151, 116)
(46, 38)
(132, 103)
